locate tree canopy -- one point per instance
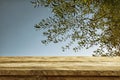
(83, 22)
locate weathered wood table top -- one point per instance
(68, 68)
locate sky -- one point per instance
(18, 37)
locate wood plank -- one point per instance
(57, 78)
(56, 58)
(62, 66)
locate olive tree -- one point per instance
(83, 22)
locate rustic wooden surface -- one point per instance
(59, 68)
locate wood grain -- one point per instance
(59, 68)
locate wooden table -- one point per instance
(59, 68)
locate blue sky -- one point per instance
(18, 36)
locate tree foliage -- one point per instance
(85, 22)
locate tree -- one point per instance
(85, 22)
